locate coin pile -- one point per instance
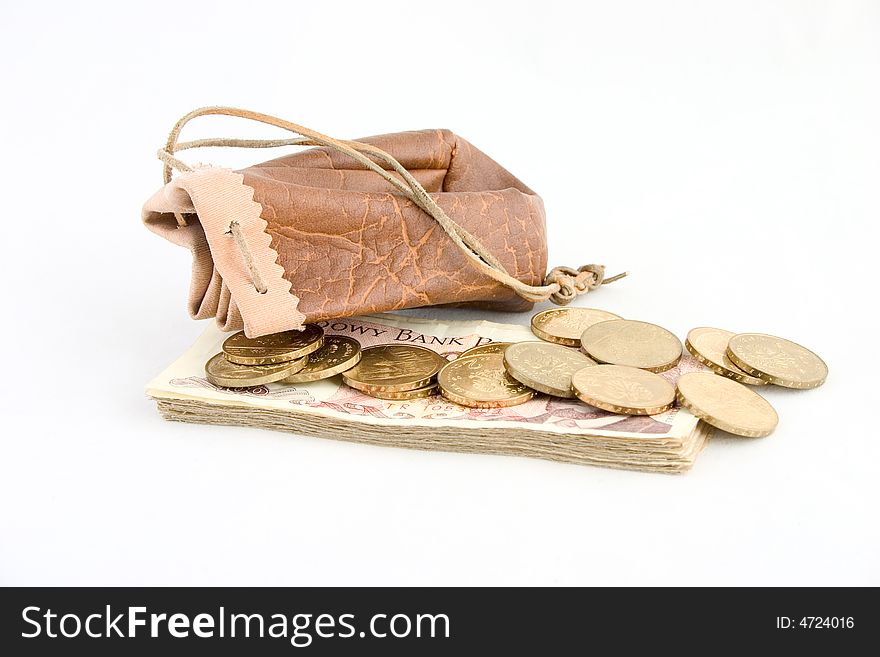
(288, 357)
(630, 353)
(584, 353)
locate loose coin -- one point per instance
(418, 393)
(481, 382)
(628, 342)
(566, 325)
(726, 404)
(273, 348)
(339, 353)
(623, 389)
(488, 348)
(544, 366)
(221, 372)
(777, 360)
(394, 368)
(709, 346)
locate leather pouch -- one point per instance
(348, 228)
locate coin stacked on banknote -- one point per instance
(633, 344)
(338, 354)
(567, 325)
(545, 367)
(396, 372)
(246, 362)
(623, 389)
(480, 381)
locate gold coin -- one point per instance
(726, 404)
(623, 389)
(418, 393)
(221, 372)
(394, 368)
(566, 325)
(488, 348)
(777, 360)
(628, 342)
(709, 346)
(481, 382)
(339, 353)
(545, 367)
(273, 348)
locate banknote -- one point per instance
(546, 427)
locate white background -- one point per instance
(727, 154)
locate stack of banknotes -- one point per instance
(545, 426)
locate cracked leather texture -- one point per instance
(349, 244)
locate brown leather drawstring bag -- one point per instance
(354, 227)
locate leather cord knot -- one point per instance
(573, 282)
